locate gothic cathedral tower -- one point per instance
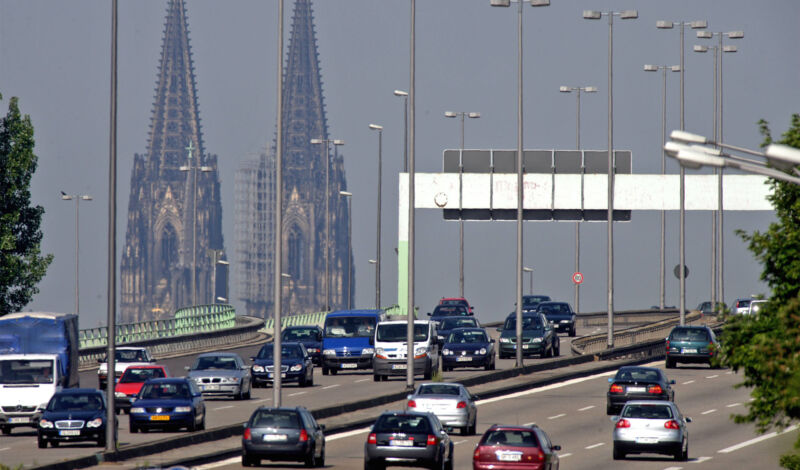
(316, 256)
(174, 210)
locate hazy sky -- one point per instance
(55, 56)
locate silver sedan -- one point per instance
(450, 402)
(221, 374)
(651, 426)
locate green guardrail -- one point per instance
(197, 319)
(318, 318)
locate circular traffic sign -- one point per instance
(577, 278)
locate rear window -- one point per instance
(300, 334)
(553, 308)
(686, 334)
(515, 438)
(286, 419)
(403, 424)
(639, 375)
(647, 412)
(140, 375)
(450, 311)
(434, 389)
(75, 402)
(165, 390)
(743, 303)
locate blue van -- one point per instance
(348, 340)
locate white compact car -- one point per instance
(651, 427)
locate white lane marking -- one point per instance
(331, 386)
(459, 442)
(343, 435)
(712, 376)
(362, 380)
(756, 440)
(586, 408)
(733, 404)
(702, 459)
(545, 388)
(222, 408)
(688, 382)
(530, 424)
(221, 463)
(263, 399)
(708, 411)
(5, 448)
(674, 468)
(729, 372)
(595, 445)
(557, 416)
(296, 393)
(563, 456)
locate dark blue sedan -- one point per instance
(75, 414)
(468, 347)
(168, 403)
(296, 365)
(309, 335)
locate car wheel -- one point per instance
(428, 372)
(448, 465)
(248, 394)
(684, 454)
(202, 426)
(101, 442)
(544, 353)
(133, 428)
(374, 465)
(670, 363)
(610, 410)
(192, 425)
(54, 443)
(618, 454)
(42, 443)
(557, 350)
(324, 370)
(303, 381)
(321, 459)
(311, 460)
(376, 378)
(334, 371)
(572, 331)
(248, 461)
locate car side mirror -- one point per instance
(322, 426)
(408, 397)
(252, 358)
(244, 425)
(610, 379)
(187, 368)
(672, 382)
(372, 341)
(614, 419)
(688, 419)
(492, 340)
(499, 328)
(556, 447)
(244, 367)
(429, 313)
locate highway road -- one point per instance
(573, 415)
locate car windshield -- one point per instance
(23, 371)
(534, 300)
(439, 389)
(637, 375)
(402, 424)
(469, 336)
(688, 334)
(743, 303)
(450, 311)
(647, 412)
(156, 391)
(300, 334)
(287, 351)
(528, 323)
(514, 438)
(553, 308)
(141, 375)
(453, 302)
(396, 332)
(76, 402)
(215, 362)
(286, 419)
(349, 327)
(125, 355)
(458, 322)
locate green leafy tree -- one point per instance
(22, 265)
(766, 347)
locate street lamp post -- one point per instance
(520, 189)
(327, 143)
(77, 198)
(278, 228)
(699, 24)
(663, 68)
(529, 271)
(378, 128)
(194, 168)
(111, 274)
(349, 197)
(596, 15)
(404, 95)
(578, 90)
(473, 115)
(225, 299)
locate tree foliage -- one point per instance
(22, 265)
(766, 347)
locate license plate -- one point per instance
(159, 418)
(273, 437)
(524, 346)
(564, 321)
(69, 432)
(399, 366)
(636, 389)
(24, 419)
(646, 440)
(401, 443)
(349, 365)
(463, 359)
(509, 457)
(210, 387)
(271, 375)
(689, 351)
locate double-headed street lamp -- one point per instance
(663, 68)
(404, 95)
(518, 273)
(376, 127)
(596, 15)
(349, 197)
(77, 198)
(577, 90)
(529, 271)
(473, 115)
(327, 143)
(194, 168)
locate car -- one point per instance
(707, 308)
(310, 336)
(283, 434)
(124, 356)
(168, 403)
(637, 383)
(410, 438)
(741, 306)
(131, 382)
(391, 353)
(530, 302)
(440, 312)
(648, 426)
(756, 306)
(221, 374)
(509, 447)
(560, 314)
(456, 301)
(468, 347)
(449, 323)
(538, 336)
(452, 404)
(296, 365)
(74, 415)
(695, 344)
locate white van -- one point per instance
(390, 349)
(27, 382)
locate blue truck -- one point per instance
(348, 339)
(44, 333)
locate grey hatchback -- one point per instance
(410, 439)
(285, 434)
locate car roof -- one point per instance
(354, 313)
(468, 328)
(651, 402)
(404, 322)
(513, 427)
(168, 380)
(81, 391)
(131, 348)
(226, 354)
(145, 366)
(280, 408)
(301, 327)
(628, 368)
(553, 302)
(441, 383)
(690, 327)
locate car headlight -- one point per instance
(447, 352)
(183, 409)
(505, 340)
(137, 409)
(296, 367)
(313, 350)
(482, 351)
(420, 351)
(535, 340)
(231, 379)
(368, 351)
(95, 423)
(119, 395)
(329, 352)
(258, 368)
(379, 351)
(43, 423)
(101, 372)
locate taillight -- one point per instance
(623, 423)
(372, 439)
(667, 345)
(539, 456)
(303, 435)
(710, 349)
(432, 440)
(616, 388)
(412, 404)
(461, 404)
(655, 389)
(477, 454)
(671, 424)
(246, 434)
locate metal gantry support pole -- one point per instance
(278, 257)
(378, 128)
(520, 192)
(682, 242)
(411, 202)
(349, 197)
(111, 307)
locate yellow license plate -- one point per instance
(159, 418)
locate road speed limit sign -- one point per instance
(577, 278)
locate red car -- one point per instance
(131, 382)
(456, 301)
(515, 448)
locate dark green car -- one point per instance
(694, 344)
(538, 336)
